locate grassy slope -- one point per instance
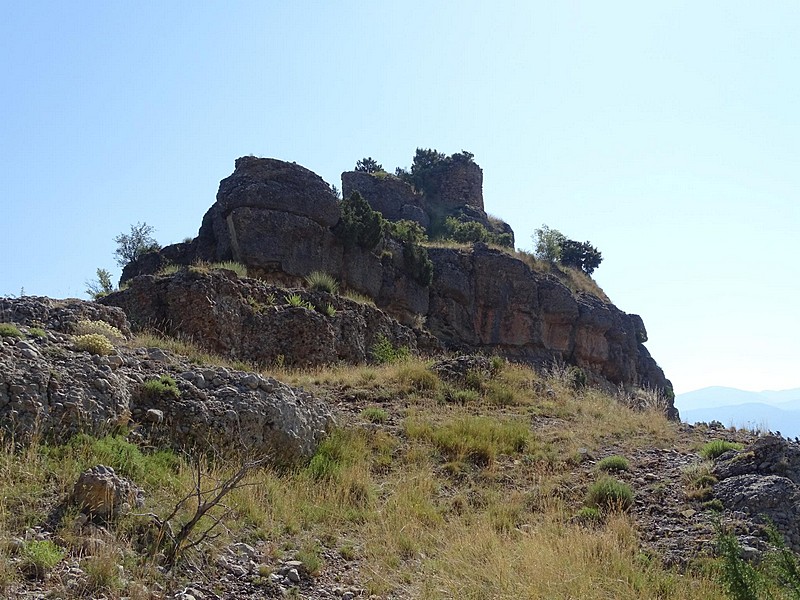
(428, 489)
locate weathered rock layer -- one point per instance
(278, 218)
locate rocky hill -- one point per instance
(280, 221)
(493, 432)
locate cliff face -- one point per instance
(277, 219)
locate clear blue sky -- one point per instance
(666, 133)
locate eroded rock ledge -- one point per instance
(49, 389)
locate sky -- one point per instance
(665, 133)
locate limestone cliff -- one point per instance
(277, 218)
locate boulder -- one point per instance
(101, 493)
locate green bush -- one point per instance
(10, 330)
(94, 343)
(716, 448)
(323, 282)
(37, 332)
(609, 493)
(329, 311)
(163, 387)
(358, 224)
(384, 352)
(416, 260)
(613, 463)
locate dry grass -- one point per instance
(444, 500)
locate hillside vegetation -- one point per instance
(484, 484)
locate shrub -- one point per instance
(415, 256)
(163, 387)
(609, 493)
(716, 448)
(39, 557)
(613, 463)
(10, 330)
(37, 332)
(589, 515)
(384, 352)
(329, 310)
(100, 286)
(359, 225)
(131, 246)
(94, 343)
(323, 282)
(111, 333)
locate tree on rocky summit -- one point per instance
(581, 256)
(131, 246)
(547, 243)
(368, 165)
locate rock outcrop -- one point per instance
(278, 219)
(453, 188)
(489, 300)
(51, 390)
(249, 320)
(763, 482)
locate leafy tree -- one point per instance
(100, 286)
(581, 256)
(131, 246)
(368, 165)
(547, 243)
(359, 224)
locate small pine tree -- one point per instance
(368, 165)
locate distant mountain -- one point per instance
(768, 410)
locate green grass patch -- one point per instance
(374, 414)
(609, 493)
(716, 448)
(322, 282)
(10, 330)
(163, 387)
(612, 464)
